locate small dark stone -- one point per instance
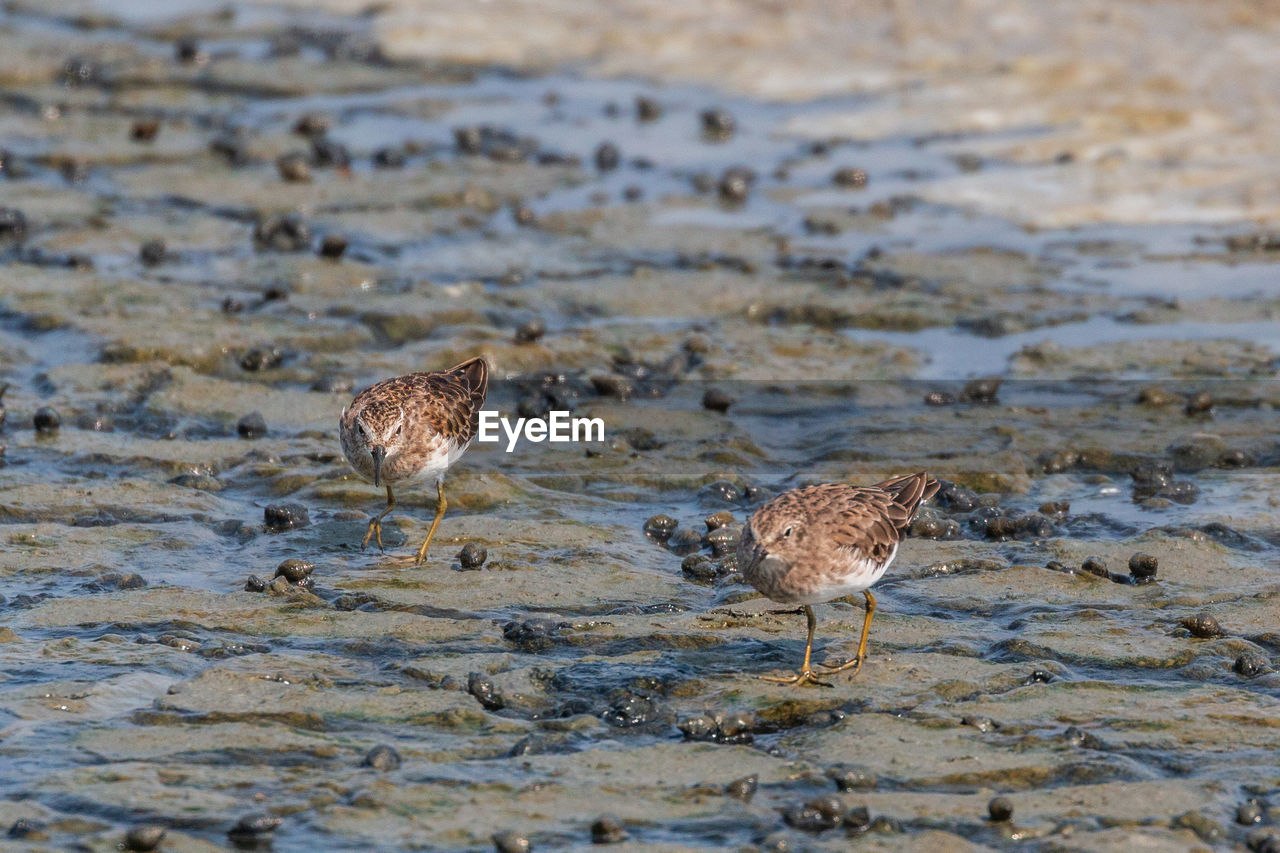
(293, 167)
(255, 584)
(145, 130)
(1250, 812)
(294, 570)
(724, 540)
(25, 828)
(698, 567)
(722, 491)
(632, 193)
(523, 215)
(1250, 665)
(288, 233)
(333, 246)
(716, 400)
(13, 224)
(472, 556)
(981, 390)
(660, 527)
(817, 815)
(611, 385)
(1263, 841)
(1040, 676)
(850, 177)
(955, 498)
(231, 148)
(857, 820)
(142, 839)
(1055, 508)
(607, 157)
(532, 635)
(510, 841)
(686, 540)
(79, 70)
(852, 777)
(389, 158)
(261, 358)
(327, 153)
(982, 724)
(252, 425)
(1000, 809)
(530, 331)
(717, 124)
(648, 109)
(1056, 566)
(939, 398)
(381, 757)
(743, 789)
(311, 125)
(1143, 566)
(1096, 566)
(607, 829)
(46, 420)
(469, 140)
(481, 687)
(1202, 626)
(716, 520)
(187, 50)
(285, 516)
(735, 184)
(1199, 403)
(254, 825)
(152, 252)
(1000, 527)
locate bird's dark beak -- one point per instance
(378, 455)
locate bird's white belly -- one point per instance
(859, 574)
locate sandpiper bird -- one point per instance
(811, 545)
(412, 429)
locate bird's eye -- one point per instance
(786, 534)
(400, 429)
(360, 427)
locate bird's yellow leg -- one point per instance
(375, 523)
(806, 674)
(856, 663)
(441, 504)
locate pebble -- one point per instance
(1249, 813)
(532, 635)
(152, 253)
(743, 789)
(30, 830)
(981, 390)
(187, 51)
(852, 777)
(716, 400)
(817, 815)
(285, 516)
(389, 158)
(252, 425)
(145, 130)
(381, 757)
(46, 420)
(333, 246)
(311, 125)
(660, 527)
(716, 520)
(523, 215)
(328, 154)
(698, 567)
(481, 687)
(850, 177)
(510, 841)
(252, 827)
(647, 109)
(1203, 625)
(685, 541)
(607, 829)
(1199, 403)
(1143, 567)
(1000, 809)
(472, 556)
(231, 148)
(1095, 566)
(261, 358)
(530, 331)
(717, 124)
(287, 233)
(724, 540)
(857, 820)
(735, 184)
(293, 167)
(255, 584)
(939, 398)
(1250, 665)
(607, 157)
(295, 570)
(144, 838)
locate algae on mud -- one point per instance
(575, 673)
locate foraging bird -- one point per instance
(814, 544)
(412, 428)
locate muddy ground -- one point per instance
(175, 192)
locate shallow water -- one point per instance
(556, 684)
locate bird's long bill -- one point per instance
(378, 455)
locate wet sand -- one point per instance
(589, 668)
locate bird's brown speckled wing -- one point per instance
(451, 400)
(873, 519)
